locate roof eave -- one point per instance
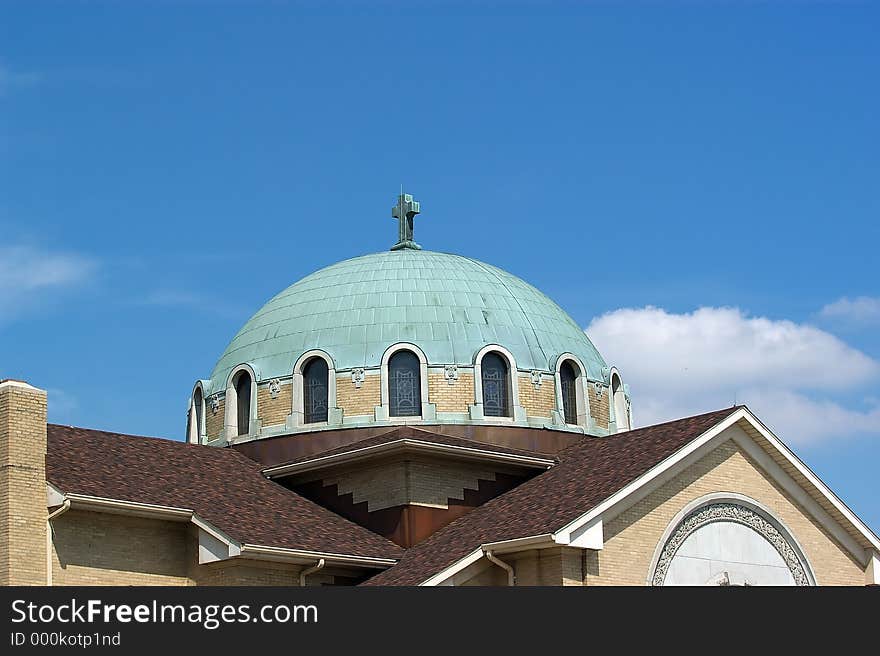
(301, 557)
(235, 548)
(408, 445)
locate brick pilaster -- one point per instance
(22, 484)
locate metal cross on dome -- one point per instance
(404, 212)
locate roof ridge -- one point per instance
(732, 409)
(215, 451)
(131, 435)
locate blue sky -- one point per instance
(694, 182)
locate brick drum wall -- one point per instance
(22, 485)
(273, 412)
(630, 538)
(537, 402)
(451, 398)
(599, 407)
(358, 401)
(214, 420)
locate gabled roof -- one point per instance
(588, 472)
(409, 439)
(221, 486)
(596, 474)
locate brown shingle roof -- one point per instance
(227, 489)
(588, 473)
(222, 486)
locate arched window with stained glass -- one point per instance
(568, 375)
(242, 386)
(315, 390)
(495, 378)
(404, 385)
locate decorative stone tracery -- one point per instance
(537, 378)
(729, 512)
(357, 377)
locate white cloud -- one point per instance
(802, 419)
(188, 300)
(26, 273)
(863, 309)
(790, 374)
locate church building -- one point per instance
(416, 418)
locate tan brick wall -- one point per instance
(406, 482)
(599, 408)
(558, 566)
(358, 401)
(22, 485)
(434, 483)
(107, 549)
(273, 412)
(572, 566)
(247, 573)
(381, 487)
(451, 398)
(631, 538)
(492, 575)
(214, 420)
(537, 402)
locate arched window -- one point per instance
(404, 385)
(243, 402)
(496, 386)
(199, 403)
(315, 390)
(568, 376)
(618, 398)
(743, 541)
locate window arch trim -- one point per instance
(613, 398)
(384, 409)
(581, 382)
(735, 499)
(517, 412)
(230, 416)
(196, 425)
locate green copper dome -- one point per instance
(448, 305)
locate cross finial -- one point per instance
(404, 212)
